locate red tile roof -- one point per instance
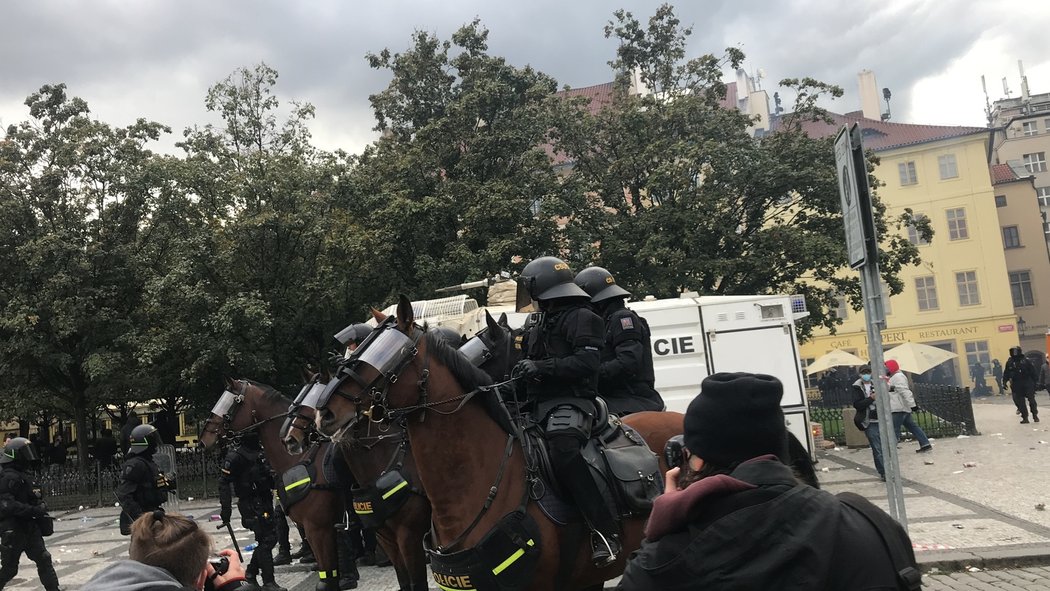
(601, 95)
(1002, 173)
(884, 135)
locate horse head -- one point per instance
(298, 428)
(239, 409)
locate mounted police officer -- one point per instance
(22, 515)
(143, 487)
(562, 346)
(245, 468)
(625, 379)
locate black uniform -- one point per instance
(21, 505)
(143, 488)
(245, 468)
(1022, 376)
(626, 379)
(565, 344)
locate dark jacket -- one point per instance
(626, 379)
(757, 529)
(865, 405)
(131, 575)
(566, 342)
(1021, 374)
(142, 486)
(21, 499)
(246, 470)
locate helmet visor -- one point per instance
(225, 403)
(522, 298)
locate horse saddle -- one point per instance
(626, 471)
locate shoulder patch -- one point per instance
(627, 323)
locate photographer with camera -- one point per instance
(170, 552)
(735, 517)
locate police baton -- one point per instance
(236, 546)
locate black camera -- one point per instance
(675, 452)
(220, 563)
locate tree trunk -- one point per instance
(80, 419)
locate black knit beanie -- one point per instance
(736, 417)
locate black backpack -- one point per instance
(893, 538)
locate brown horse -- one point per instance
(260, 407)
(473, 471)
(370, 451)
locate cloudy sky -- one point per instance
(156, 58)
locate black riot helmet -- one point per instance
(600, 285)
(1016, 352)
(144, 439)
(18, 452)
(547, 278)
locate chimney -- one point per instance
(869, 95)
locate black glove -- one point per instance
(39, 511)
(225, 513)
(526, 368)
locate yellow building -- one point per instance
(959, 297)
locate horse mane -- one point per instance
(468, 376)
(271, 394)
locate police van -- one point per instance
(692, 338)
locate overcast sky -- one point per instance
(156, 59)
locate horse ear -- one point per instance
(378, 315)
(307, 373)
(228, 382)
(405, 315)
(491, 322)
(503, 321)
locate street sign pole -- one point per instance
(863, 250)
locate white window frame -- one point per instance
(927, 293)
(1034, 162)
(1021, 285)
(1042, 194)
(977, 352)
(913, 232)
(909, 174)
(957, 228)
(948, 167)
(968, 288)
(841, 308)
(1029, 128)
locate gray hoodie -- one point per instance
(131, 575)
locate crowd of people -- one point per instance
(733, 513)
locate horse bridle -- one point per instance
(227, 417)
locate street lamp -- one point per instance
(1020, 326)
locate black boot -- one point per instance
(348, 575)
(604, 549)
(272, 585)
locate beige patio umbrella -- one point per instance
(918, 358)
(832, 359)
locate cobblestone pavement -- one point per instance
(995, 508)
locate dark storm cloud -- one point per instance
(156, 59)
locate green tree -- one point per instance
(689, 199)
(74, 192)
(460, 184)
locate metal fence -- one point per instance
(944, 411)
(67, 486)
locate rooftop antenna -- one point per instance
(886, 94)
(758, 78)
(987, 102)
(776, 99)
(1006, 88)
(1025, 100)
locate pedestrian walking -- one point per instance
(867, 417)
(24, 520)
(997, 373)
(1022, 376)
(734, 516)
(902, 404)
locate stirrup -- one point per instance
(603, 554)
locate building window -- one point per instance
(977, 352)
(913, 234)
(886, 307)
(1035, 162)
(1000, 200)
(966, 283)
(1011, 238)
(1029, 128)
(1021, 289)
(949, 169)
(957, 224)
(1046, 230)
(907, 172)
(810, 379)
(1046, 125)
(927, 292)
(1043, 195)
(841, 309)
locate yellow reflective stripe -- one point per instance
(362, 512)
(298, 483)
(324, 575)
(513, 557)
(387, 494)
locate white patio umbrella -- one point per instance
(832, 359)
(918, 358)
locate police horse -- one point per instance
(251, 406)
(488, 531)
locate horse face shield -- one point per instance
(224, 407)
(476, 350)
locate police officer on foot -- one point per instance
(245, 468)
(143, 487)
(562, 345)
(23, 516)
(625, 379)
